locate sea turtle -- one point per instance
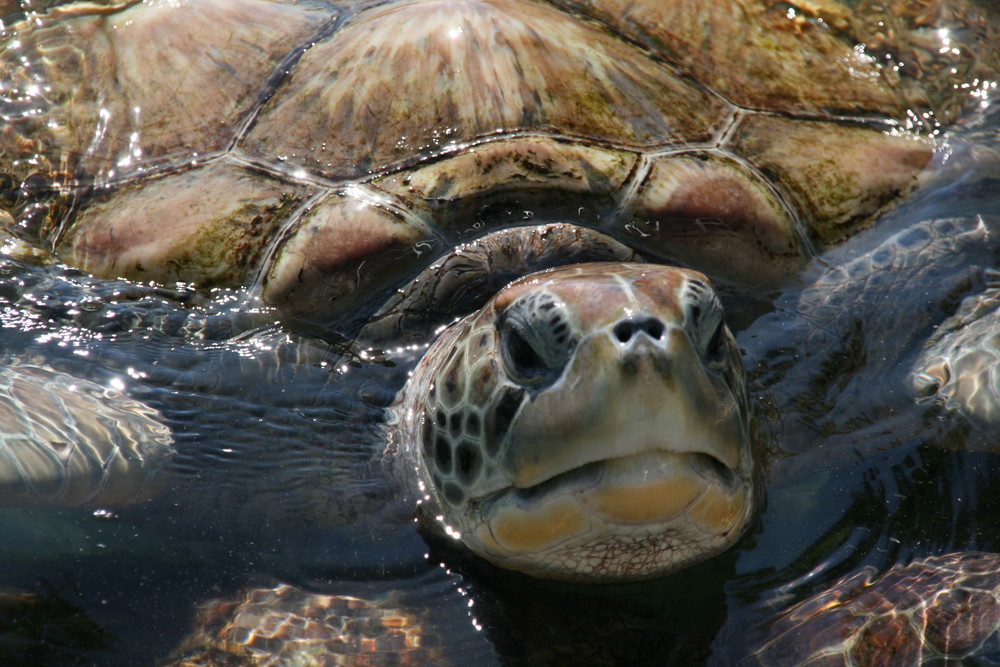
(534, 198)
(912, 614)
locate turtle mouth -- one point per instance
(653, 488)
(632, 470)
(674, 498)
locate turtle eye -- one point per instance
(704, 314)
(535, 339)
(715, 349)
(521, 360)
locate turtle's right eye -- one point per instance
(535, 339)
(520, 359)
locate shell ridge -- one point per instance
(628, 194)
(284, 70)
(806, 245)
(485, 139)
(284, 231)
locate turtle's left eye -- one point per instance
(706, 323)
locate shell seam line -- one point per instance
(384, 199)
(280, 74)
(58, 12)
(279, 239)
(628, 192)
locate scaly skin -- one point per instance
(589, 423)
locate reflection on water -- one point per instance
(43, 627)
(273, 445)
(274, 477)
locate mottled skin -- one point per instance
(68, 441)
(960, 366)
(589, 423)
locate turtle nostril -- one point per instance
(623, 331)
(653, 328)
(626, 329)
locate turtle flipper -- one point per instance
(942, 607)
(849, 316)
(287, 625)
(959, 367)
(44, 626)
(66, 441)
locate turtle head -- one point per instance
(589, 423)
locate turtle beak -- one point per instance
(636, 386)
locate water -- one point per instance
(268, 447)
(272, 481)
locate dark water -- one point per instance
(274, 437)
(271, 435)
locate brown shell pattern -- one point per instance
(921, 613)
(320, 154)
(285, 625)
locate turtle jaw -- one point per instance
(643, 469)
(631, 518)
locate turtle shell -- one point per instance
(321, 153)
(285, 625)
(934, 609)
